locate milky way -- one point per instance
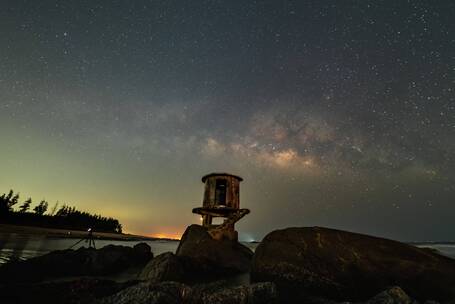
(338, 114)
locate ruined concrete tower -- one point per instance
(221, 200)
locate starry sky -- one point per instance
(335, 113)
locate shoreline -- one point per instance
(17, 231)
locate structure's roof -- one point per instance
(204, 178)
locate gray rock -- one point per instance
(393, 295)
(340, 265)
(150, 293)
(164, 267)
(206, 256)
(260, 293)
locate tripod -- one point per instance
(89, 238)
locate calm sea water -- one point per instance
(19, 248)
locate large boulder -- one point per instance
(342, 265)
(205, 256)
(108, 260)
(164, 267)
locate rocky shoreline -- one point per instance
(294, 265)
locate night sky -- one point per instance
(335, 113)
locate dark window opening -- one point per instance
(220, 192)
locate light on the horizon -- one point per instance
(174, 236)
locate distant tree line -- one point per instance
(65, 217)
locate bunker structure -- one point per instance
(221, 200)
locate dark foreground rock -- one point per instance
(70, 292)
(164, 267)
(175, 293)
(259, 293)
(211, 257)
(170, 267)
(393, 295)
(151, 293)
(341, 265)
(108, 260)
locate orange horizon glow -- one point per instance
(166, 235)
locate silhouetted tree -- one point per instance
(3, 206)
(7, 201)
(54, 209)
(119, 228)
(65, 217)
(13, 201)
(41, 208)
(25, 206)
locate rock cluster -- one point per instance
(176, 293)
(108, 260)
(294, 265)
